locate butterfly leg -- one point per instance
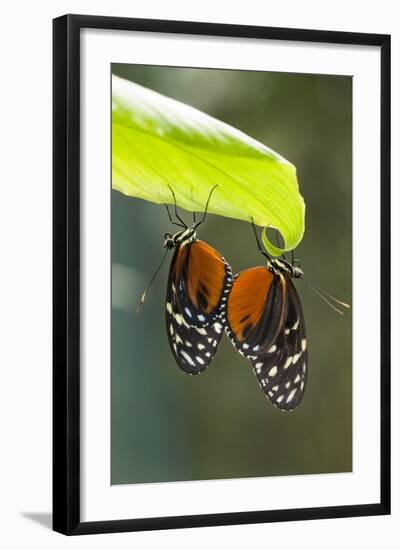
(176, 209)
(278, 240)
(170, 218)
(205, 211)
(260, 248)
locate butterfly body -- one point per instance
(198, 284)
(265, 322)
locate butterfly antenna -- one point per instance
(142, 299)
(207, 203)
(325, 295)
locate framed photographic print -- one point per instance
(221, 274)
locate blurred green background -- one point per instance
(168, 426)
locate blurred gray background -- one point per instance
(168, 426)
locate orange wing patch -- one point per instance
(247, 299)
(181, 255)
(206, 276)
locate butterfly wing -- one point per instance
(264, 320)
(198, 284)
(200, 278)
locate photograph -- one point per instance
(231, 274)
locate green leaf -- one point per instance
(157, 141)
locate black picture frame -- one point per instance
(66, 273)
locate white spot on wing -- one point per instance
(169, 308)
(304, 344)
(272, 349)
(187, 357)
(200, 346)
(273, 371)
(199, 360)
(291, 395)
(288, 362)
(185, 323)
(188, 312)
(201, 331)
(296, 358)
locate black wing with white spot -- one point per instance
(281, 369)
(192, 347)
(198, 284)
(265, 322)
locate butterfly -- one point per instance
(198, 284)
(265, 322)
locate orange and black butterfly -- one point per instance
(264, 320)
(198, 283)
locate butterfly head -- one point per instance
(279, 265)
(185, 236)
